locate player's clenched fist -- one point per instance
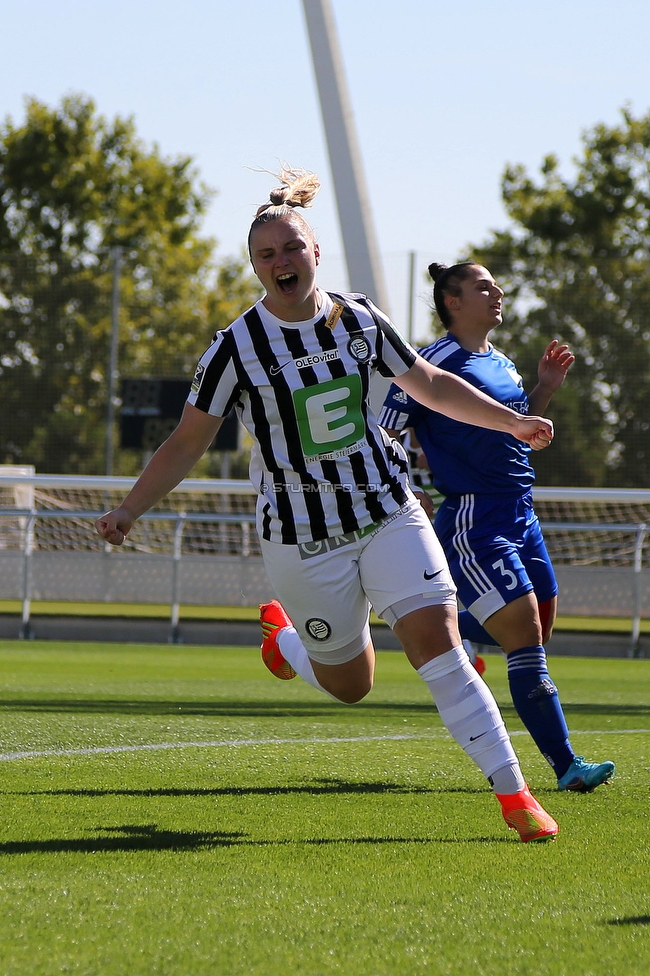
(114, 526)
(541, 439)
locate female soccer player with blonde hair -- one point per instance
(340, 529)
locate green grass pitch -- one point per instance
(177, 810)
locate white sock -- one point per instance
(507, 780)
(294, 651)
(470, 713)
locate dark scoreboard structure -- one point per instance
(151, 408)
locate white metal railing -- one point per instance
(639, 531)
(29, 516)
(104, 483)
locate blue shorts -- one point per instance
(495, 549)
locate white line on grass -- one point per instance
(238, 743)
(209, 744)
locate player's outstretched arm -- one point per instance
(173, 460)
(451, 395)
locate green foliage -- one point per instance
(575, 265)
(178, 810)
(74, 186)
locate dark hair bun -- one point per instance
(435, 270)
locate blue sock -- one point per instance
(538, 705)
(472, 630)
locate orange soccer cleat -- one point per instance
(273, 619)
(523, 813)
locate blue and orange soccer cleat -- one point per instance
(523, 813)
(273, 619)
(584, 777)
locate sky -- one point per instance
(444, 96)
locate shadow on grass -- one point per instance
(319, 787)
(223, 708)
(261, 709)
(630, 920)
(148, 837)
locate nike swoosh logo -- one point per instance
(274, 370)
(473, 738)
(430, 576)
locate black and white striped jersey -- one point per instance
(320, 463)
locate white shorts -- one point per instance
(327, 587)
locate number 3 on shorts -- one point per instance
(506, 573)
(329, 415)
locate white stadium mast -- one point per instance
(355, 217)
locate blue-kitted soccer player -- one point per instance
(486, 521)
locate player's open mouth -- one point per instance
(287, 282)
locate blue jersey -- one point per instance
(464, 458)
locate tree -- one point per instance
(73, 187)
(576, 265)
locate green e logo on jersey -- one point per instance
(329, 415)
